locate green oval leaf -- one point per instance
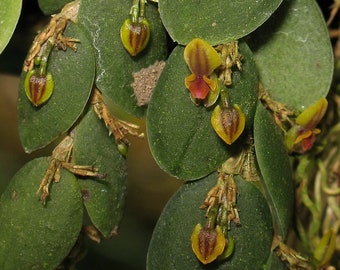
(9, 14)
(180, 135)
(52, 6)
(273, 160)
(102, 20)
(34, 236)
(103, 198)
(170, 246)
(217, 22)
(73, 74)
(293, 53)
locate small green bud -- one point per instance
(38, 87)
(228, 250)
(122, 148)
(135, 35)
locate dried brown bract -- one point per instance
(53, 33)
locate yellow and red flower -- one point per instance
(301, 136)
(202, 60)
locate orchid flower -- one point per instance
(301, 136)
(228, 120)
(202, 60)
(207, 243)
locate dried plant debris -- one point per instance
(145, 81)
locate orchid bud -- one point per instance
(228, 250)
(122, 148)
(38, 87)
(228, 122)
(135, 35)
(301, 137)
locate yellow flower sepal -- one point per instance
(311, 117)
(38, 87)
(135, 35)
(228, 122)
(207, 244)
(301, 136)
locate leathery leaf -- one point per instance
(293, 53)
(73, 75)
(33, 235)
(217, 21)
(103, 198)
(273, 161)
(9, 14)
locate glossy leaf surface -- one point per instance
(275, 168)
(103, 198)
(293, 53)
(34, 236)
(9, 14)
(102, 20)
(52, 6)
(73, 74)
(170, 246)
(180, 134)
(217, 22)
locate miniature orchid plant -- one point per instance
(228, 108)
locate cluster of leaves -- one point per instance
(285, 46)
(37, 231)
(279, 44)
